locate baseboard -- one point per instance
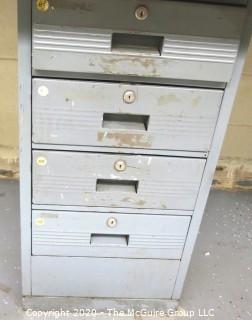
(100, 305)
(233, 174)
(9, 168)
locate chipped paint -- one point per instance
(138, 202)
(168, 98)
(112, 65)
(77, 5)
(125, 139)
(196, 101)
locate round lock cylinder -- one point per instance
(112, 222)
(129, 96)
(142, 13)
(42, 5)
(120, 165)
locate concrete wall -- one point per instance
(8, 89)
(235, 166)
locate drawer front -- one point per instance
(108, 235)
(107, 180)
(103, 277)
(74, 38)
(129, 116)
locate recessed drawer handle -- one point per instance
(137, 43)
(117, 240)
(125, 121)
(107, 185)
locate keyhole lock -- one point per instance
(129, 96)
(120, 165)
(142, 13)
(112, 222)
(42, 5)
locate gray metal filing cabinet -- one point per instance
(123, 109)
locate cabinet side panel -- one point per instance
(218, 139)
(24, 74)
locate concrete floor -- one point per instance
(220, 275)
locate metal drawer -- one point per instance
(90, 38)
(120, 115)
(56, 233)
(103, 277)
(115, 180)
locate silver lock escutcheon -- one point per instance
(142, 13)
(120, 165)
(129, 96)
(112, 222)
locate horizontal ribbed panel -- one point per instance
(81, 239)
(182, 126)
(86, 120)
(200, 49)
(65, 184)
(157, 242)
(60, 238)
(169, 188)
(52, 38)
(77, 118)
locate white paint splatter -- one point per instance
(112, 176)
(149, 160)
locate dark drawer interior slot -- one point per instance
(137, 43)
(106, 185)
(125, 121)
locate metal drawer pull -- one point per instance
(106, 185)
(137, 43)
(116, 240)
(125, 121)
